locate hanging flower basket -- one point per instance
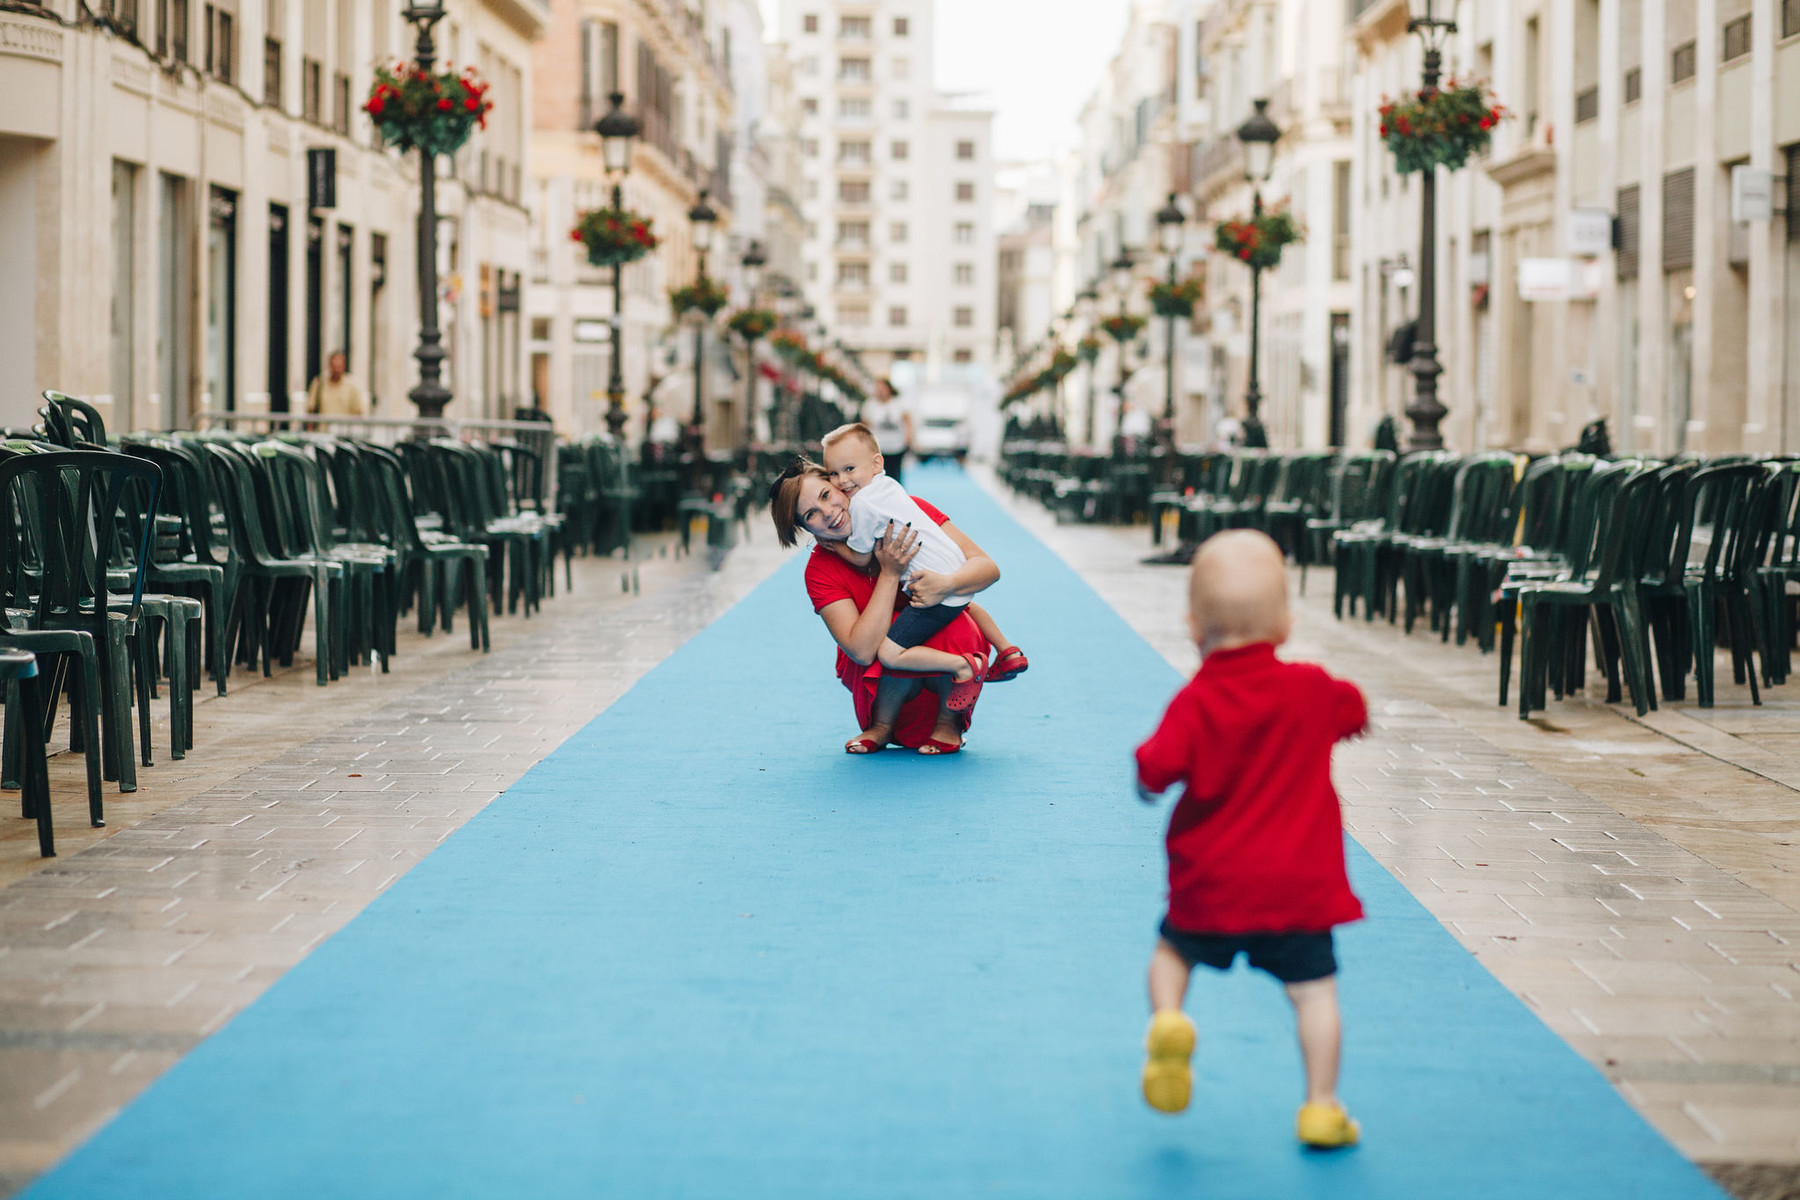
(1259, 240)
(1440, 128)
(1123, 327)
(1177, 299)
(1062, 365)
(1088, 349)
(614, 236)
(752, 324)
(789, 344)
(433, 111)
(704, 297)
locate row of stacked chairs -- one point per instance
(1079, 484)
(1654, 562)
(138, 563)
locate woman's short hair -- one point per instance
(784, 497)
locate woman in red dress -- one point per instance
(858, 604)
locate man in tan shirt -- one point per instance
(335, 394)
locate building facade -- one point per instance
(897, 185)
(178, 241)
(675, 67)
(1591, 265)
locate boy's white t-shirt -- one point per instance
(881, 500)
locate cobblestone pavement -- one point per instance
(1639, 892)
(298, 806)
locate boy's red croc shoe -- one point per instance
(1008, 663)
(962, 695)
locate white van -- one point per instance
(941, 424)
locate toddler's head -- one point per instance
(853, 456)
(1237, 592)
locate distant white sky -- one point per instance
(1037, 61)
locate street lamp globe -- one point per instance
(617, 130)
(705, 220)
(1169, 226)
(1259, 135)
(753, 262)
(1432, 17)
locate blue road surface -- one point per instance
(701, 952)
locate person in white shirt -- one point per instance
(891, 423)
(858, 469)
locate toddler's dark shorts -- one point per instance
(1289, 957)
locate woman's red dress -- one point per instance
(830, 578)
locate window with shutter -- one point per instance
(1629, 233)
(1793, 193)
(1678, 220)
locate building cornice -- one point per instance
(530, 19)
(27, 37)
(1382, 21)
(1527, 164)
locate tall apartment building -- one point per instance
(162, 248)
(899, 257)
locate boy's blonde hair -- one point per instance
(855, 429)
(1237, 591)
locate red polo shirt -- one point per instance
(1256, 843)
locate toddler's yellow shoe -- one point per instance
(1168, 1079)
(1327, 1126)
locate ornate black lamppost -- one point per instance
(617, 130)
(704, 220)
(753, 262)
(1425, 411)
(1122, 279)
(1258, 135)
(1086, 304)
(1170, 232)
(431, 397)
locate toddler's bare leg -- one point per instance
(984, 621)
(1168, 978)
(1168, 1073)
(1321, 1036)
(922, 658)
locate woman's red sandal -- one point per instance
(1009, 663)
(864, 745)
(933, 747)
(963, 695)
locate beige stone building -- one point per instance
(163, 249)
(675, 67)
(1609, 198)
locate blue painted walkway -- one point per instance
(700, 952)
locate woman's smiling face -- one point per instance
(823, 510)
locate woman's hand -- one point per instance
(929, 587)
(896, 548)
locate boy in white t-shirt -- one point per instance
(853, 457)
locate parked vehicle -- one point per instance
(941, 424)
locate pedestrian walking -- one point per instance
(335, 394)
(892, 424)
(1256, 841)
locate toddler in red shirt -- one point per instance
(1256, 843)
